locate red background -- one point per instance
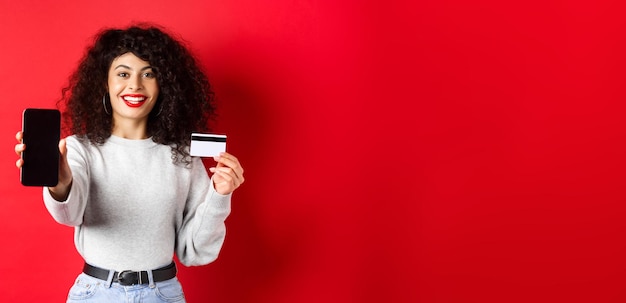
(439, 151)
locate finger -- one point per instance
(19, 148)
(19, 163)
(63, 147)
(65, 173)
(236, 174)
(228, 175)
(226, 159)
(224, 172)
(212, 170)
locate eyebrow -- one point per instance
(128, 67)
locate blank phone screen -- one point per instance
(41, 133)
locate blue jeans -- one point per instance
(93, 290)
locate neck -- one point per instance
(130, 129)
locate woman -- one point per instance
(126, 180)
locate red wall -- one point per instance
(440, 151)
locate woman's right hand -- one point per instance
(62, 189)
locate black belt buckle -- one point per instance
(129, 277)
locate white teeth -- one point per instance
(134, 99)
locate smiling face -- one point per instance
(133, 89)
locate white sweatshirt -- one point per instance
(132, 207)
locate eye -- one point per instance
(149, 75)
(122, 74)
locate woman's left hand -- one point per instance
(228, 174)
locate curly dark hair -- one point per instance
(185, 103)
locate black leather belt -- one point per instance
(128, 277)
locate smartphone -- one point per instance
(41, 130)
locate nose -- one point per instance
(135, 83)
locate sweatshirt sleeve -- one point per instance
(70, 212)
(201, 234)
